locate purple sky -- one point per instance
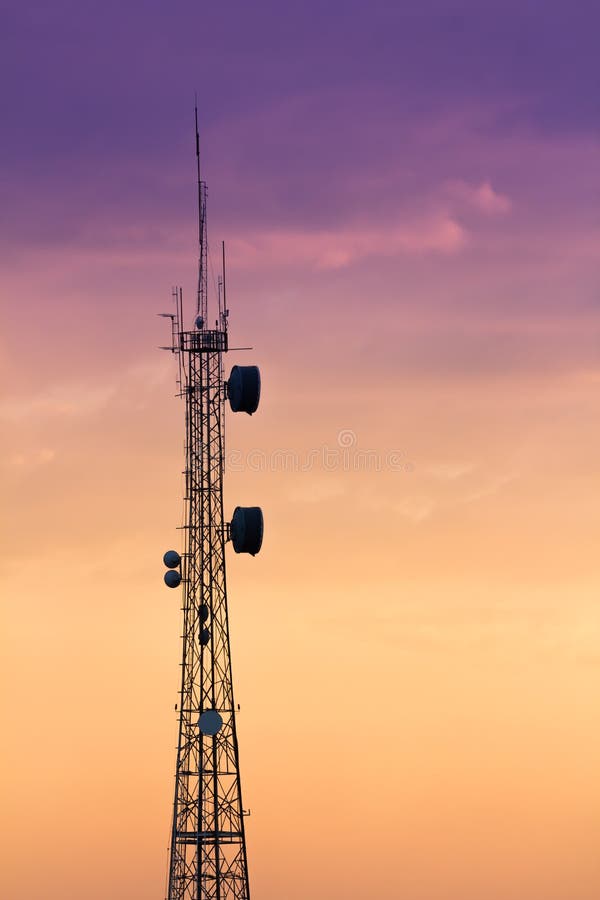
(306, 100)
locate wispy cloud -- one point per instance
(482, 197)
(490, 488)
(58, 400)
(415, 509)
(30, 458)
(68, 399)
(336, 249)
(448, 470)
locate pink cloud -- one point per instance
(482, 197)
(336, 249)
(489, 201)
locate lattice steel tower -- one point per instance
(208, 847)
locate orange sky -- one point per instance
(415, 649)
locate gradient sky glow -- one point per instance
(410, 197)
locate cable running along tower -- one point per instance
(208, 848)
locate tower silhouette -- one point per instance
(208, 846)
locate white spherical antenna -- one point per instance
(210, 722)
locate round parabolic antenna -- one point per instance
(171, 559)
(204, 637)
(203, 612)
(247, 529)
(210, 722)
(172, 578)
(244, 389)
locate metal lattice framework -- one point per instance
(208, 847)
(208, 850)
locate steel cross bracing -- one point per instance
(208, 849)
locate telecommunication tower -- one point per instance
(207, 857)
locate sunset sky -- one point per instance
(410, 197)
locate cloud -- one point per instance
(58, 400)
(449, 471)
(336, 249)
(481, 197)
(490, 489)
(414, 509)
(22, 460)
(67, 399)
(489, 201)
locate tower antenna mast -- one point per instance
(207, 854)
(202, 302)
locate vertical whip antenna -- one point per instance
(202, 302)
(223, 311)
